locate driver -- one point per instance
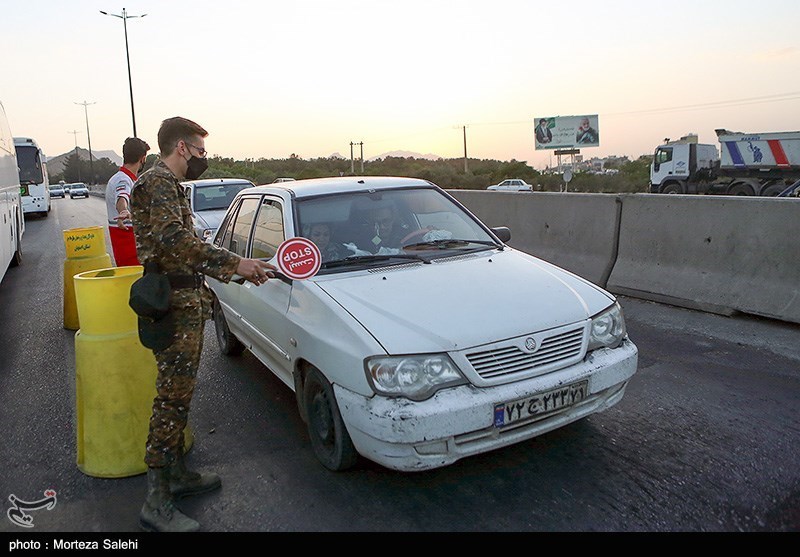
(380, 230)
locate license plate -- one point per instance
(507, 413)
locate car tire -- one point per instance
(228, 343)
(329, 437)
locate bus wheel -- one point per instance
(16, 259)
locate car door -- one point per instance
(263, 308)
(234, 235)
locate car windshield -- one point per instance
(388, 227)
(217, 196)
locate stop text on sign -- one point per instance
(299, 258)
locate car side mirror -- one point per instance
(502, 232)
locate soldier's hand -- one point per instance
(255, 270)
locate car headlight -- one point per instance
(607, 329)
(414, 377)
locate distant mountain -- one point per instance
(55, 165)
(406, 155)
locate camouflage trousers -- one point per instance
(175, 383)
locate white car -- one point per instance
(210, 199)
(402, 349)
(78, 190)
(511, 185)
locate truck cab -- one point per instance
(679, 166)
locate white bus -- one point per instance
(33, 179)
(12, 221)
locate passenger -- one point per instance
(320, 234)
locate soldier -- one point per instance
(165, 236)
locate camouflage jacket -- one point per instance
(162, 224)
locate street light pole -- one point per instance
(77, 157)
(125, 17)
(89, 139)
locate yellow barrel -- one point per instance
(85, 242)
(114, 375)
(86, 251)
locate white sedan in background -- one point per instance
(403, 349)
(511, 185)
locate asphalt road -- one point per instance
(707, 438)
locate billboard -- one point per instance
(566, 132)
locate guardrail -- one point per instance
(714, 253)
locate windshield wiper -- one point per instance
(449, 242)
(358, 259)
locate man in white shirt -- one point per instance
(118, 201)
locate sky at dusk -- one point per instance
(270, 79)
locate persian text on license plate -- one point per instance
(540, 403)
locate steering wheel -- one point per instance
(416, 233)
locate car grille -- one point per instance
(562, 348)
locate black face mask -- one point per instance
(196, 167)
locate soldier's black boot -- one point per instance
(158, 513)
(184, 482)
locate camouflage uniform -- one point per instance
(165, 234)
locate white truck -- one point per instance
(763, 164)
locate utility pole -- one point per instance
(77, 156)
(465, 149)
(361, 144)
(125, 17)
(89, 139)
(352, 166)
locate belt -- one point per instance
(185, 281)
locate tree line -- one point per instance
(632, 177)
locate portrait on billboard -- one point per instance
(543, 133)
(566, 132)
(586, 134)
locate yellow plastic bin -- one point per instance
(86, 251)
(115, 377)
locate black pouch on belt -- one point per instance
(150, 298)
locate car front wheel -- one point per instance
(329, 438)
(228, 343)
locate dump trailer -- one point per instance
(744, 164)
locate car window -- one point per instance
(223, 237)
(216, 197)
(392, 222)
(242, 227)
(268, 233)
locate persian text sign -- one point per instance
(563, 132)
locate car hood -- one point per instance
(210, 219)
(454, 304)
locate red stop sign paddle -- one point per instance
(299, 258)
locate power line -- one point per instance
(794, 95)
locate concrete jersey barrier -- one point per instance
(576, 231)
(718, 254)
